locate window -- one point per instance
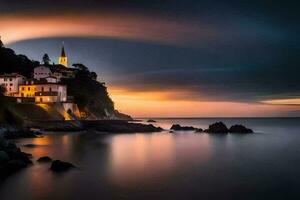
(42, 89)
(23, 88)
(28, 88)
(10, 84)
(10, 79)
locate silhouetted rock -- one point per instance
(22, 133)
(239, 129)
(44, 159)
(61, 166)
(30, 145)
(12, 158)
(119, 126)
(15, 165)
(218, 127)
(177, 127)
(151, 120)
(199, 130)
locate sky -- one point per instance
(172, 58)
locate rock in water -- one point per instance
(177, 127)
(198, 130)
(151, 120)
(12, 158)
(239, 129)
(44, 159)
(30, 145)
(218, 127)
(15, 165)
(60, 166)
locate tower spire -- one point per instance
(63, 54)
(63, 60)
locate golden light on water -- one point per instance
(137, 159)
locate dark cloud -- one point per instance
(255, 56)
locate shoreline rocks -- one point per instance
(61, 166)
(22, 133)
(12, 159)
(44, 159)
(220, 127)
(239, 129)
(151, 121)
(118, 126)
(110, 126)
(177, 127)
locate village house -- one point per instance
(40, 92)
(44, 87)
(11, 83)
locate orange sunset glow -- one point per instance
(104, 25)
(161, 104)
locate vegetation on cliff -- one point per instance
(7, 116)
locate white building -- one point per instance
(44, 92)
(41, 72)
(11, 83)
(59, 72)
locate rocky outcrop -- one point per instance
(61, 166)
(177, 127)
(239, 129)
(199, 130)
(218, 127)
(119, 126)
(12, 158)
(44, 159)
(151, 121)
(19, 133)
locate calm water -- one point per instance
(164, 166)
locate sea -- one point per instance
(162, 166)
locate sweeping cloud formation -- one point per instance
(187, 53)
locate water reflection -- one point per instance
(148, 159)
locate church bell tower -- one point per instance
(63, 59)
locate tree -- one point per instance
(80, 67)
(94, 76)
(46, 59)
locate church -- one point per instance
(63, 59)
